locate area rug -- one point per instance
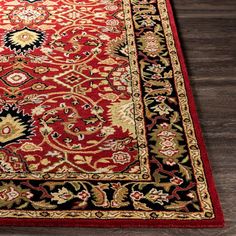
(97, 122)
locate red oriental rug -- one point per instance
(97, 121)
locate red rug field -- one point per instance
(98, 126)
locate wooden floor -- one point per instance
(208, 34)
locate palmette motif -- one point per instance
(94, 117)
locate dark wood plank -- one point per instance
(208, 35)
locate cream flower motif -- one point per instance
(191, 195)
(63, 195)
(104, 37)
(46, 50)
(38, 110)
(112, 22)
(65, 169)
(157, 196)
(54, 153)
(12, 194)
(111, 7)
(121, 157)
(163, 109)
(29, 14)
(107, 130)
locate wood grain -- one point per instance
(208, 34)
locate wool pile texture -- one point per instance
(97, 121)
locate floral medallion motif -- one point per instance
(118, 47)
(16, 78)
(121, 157)
(24, 40)
(28, 15)
(14, 126)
